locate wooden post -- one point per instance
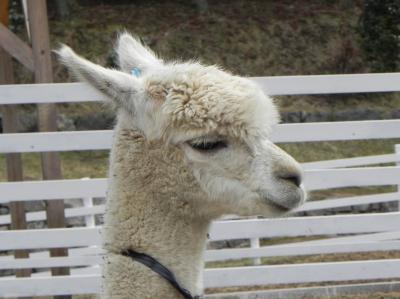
(47, 115)
(10, 125)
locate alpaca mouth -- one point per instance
(285, 204)
(278, 207)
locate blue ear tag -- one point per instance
(136, 72)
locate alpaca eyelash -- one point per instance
(207, 145)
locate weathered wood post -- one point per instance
(47, 116)
(10, 125)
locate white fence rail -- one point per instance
(279, 85)
(242, 276)
(309, 206)
(77, 188)
(337, 234)
(220, 230)
(101, 139)
(349, 162)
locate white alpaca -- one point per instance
(190, 144)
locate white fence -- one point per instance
(336, 234)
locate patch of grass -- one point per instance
(250, 38)
(316, 151)
(74, 165)
(324, 258)
(319, 258)
(378, 295)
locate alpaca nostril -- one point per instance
(292, 178)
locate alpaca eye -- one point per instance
(205, 146)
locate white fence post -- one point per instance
(88, 202)
(255, 243)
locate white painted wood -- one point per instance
(255, 244)
(48, 93)
(69, 261)
(351, 162)
(75, 271)
(56, 285)
(56, 141)
(277, 85)
(89, 270)
(302, 273)
(349, 201)
(49, 238)
(298, 250)
(88, 203)
(43, 273)
(300, 132)
(331, 131)
(70, 212)
(329, 84)
(314, 179)
(224, 277)
(222, 230)
(74, 252)
(213, 255)
(386, 224)
(347, 177)
(52, 189)
(308, 206)
(305, 226)
(89, 219)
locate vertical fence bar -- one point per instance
(397, 152)
(255, 243)
(87, 202)
(89, 219)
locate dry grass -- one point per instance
(251, 38)
(392, 295)
(74, 165)
(319, 258)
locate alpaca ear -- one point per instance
(133, 54)
(116, 85)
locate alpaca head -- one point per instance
(220, 122)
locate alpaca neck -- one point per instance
(150, 212)
(177, 243)
(158, 230)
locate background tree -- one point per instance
(379, 28)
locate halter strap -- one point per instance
(161, 270)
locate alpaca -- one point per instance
(191, 144)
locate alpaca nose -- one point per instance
(292, 178)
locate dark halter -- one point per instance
(161, 270)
